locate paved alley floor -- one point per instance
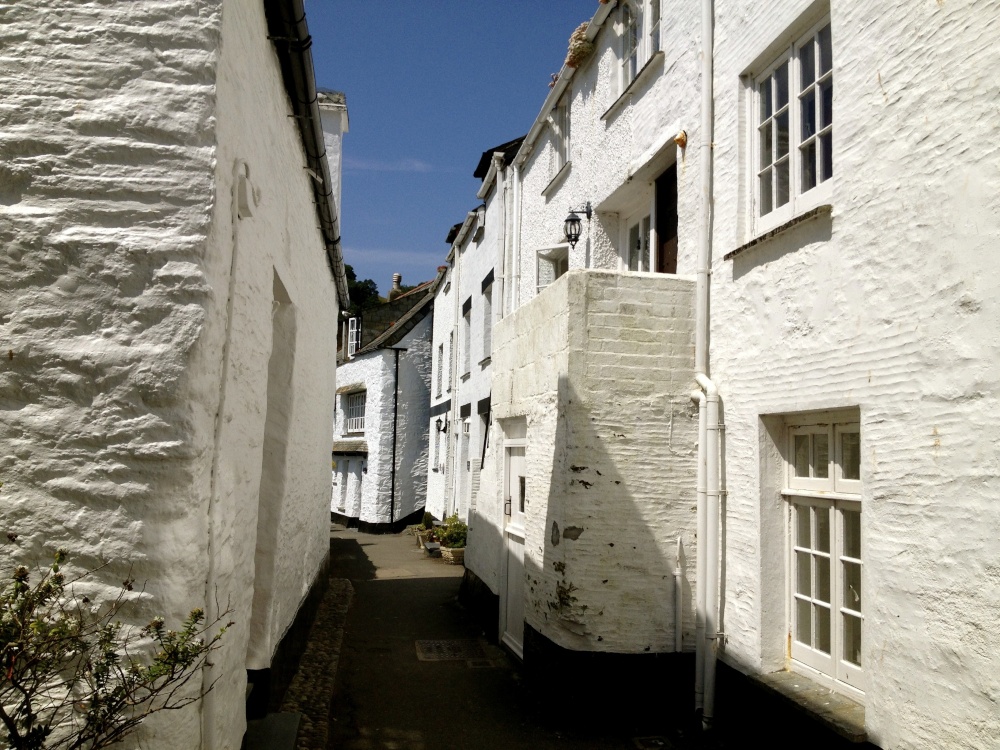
(415, 673)
(387, 696)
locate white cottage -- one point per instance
(169, 280)
(383, 403)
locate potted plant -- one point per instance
(425, 531)
(452, 537)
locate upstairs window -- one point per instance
(487, 321)
(630, 24)
(353, 335)
(552, 263)
(654, 27)
(467, 337)
(559, 122)
(793, 105)
(440, 370)
(355, 412)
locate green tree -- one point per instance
(364, 294)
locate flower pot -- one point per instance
(453, 555)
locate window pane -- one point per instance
(825, 50)
(803, 623)
(803, 573)
(852, 533)
(645, 244)
(850, 455)
(807, 63)
(822, 629)
(633, 248)
(764, 90)
(801, 455)
(826, 103)
(852, 639)
(807, 109)
(822, 578)
(822, 530)
(766, 152)
(781, 85)
(821, 455)
(781, 124)
(826, 156)
(766, 202)
(802, 525)
(781, 183)
(852, 586)
(808, 153)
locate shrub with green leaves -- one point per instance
(454, 533)
(75, 677)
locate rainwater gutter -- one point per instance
(708, 443)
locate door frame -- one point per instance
(509, 530)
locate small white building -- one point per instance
(169, 280)
(383, 402)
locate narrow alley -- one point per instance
(413, 672)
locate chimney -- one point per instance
(397, 280)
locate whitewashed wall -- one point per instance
(377, 371)
(442, 326)
(891, 307)
(118, 236)
(600, 367)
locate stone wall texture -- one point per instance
(600, 367)
(134, 378)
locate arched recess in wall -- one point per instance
(280, 369)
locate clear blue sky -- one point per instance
(430, 85)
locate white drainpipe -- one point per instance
(516, 243)
(708, 444)
(678, 601)
(699, 583)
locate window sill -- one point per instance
(641, 76)
(485, 361)
(558, 180)
(466, 376)
(840, 713)
(822, 210)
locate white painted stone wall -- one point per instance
(891, 307)
(119, 233)
(439, 465)
(606, 151)
(600, 366)
(377, 371)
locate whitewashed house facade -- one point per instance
(811, 263)
(166, 298)
(383, 401)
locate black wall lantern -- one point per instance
(573, 225)
(441, 427)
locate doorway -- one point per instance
(515, 502)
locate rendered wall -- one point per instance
(119, 235)
(889, 306)
(600, 366)
(439, 465)
(414, 415)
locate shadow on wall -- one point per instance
(603, 599)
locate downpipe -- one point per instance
(699, 583)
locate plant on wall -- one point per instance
(580, 48)
(75, 678)
(453, 534)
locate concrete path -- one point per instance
(387, 697)
(412, 672)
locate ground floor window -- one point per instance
(823, 494)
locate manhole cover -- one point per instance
(652, 743)
(457, 650)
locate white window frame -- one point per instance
(800, 198)
(467, 343)
(630, 52)
(556, 260)
(559, 122)
(488, 321)
(653, 35)
(353, 336)
(643, 223)
(354, 411)
(440, 370)
(824, 489)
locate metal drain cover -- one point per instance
(652, 743)
(456, 650)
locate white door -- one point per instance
(513, 597)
